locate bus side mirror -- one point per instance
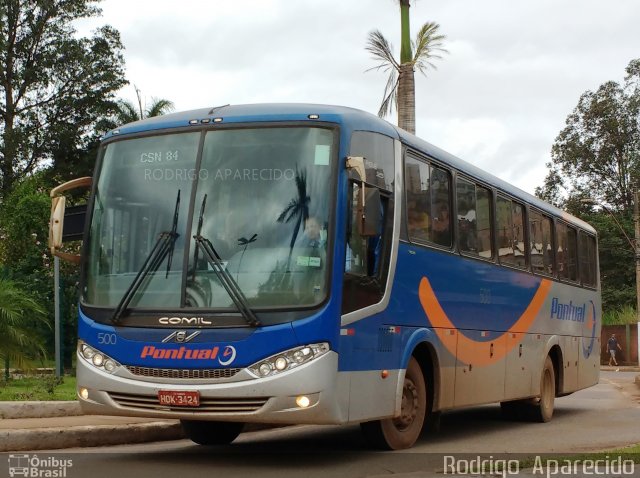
(57, 232)
(370, 213)
(369, 205)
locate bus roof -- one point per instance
(357, 119)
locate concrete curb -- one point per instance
(88, 436)
(39, 409)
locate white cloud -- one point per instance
(514, 71)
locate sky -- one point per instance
(514, 71)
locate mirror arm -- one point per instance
(84, 182)
(356, 163)
(56, 221)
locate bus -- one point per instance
(312, 264)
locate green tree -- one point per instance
(24, 228)
(597, 156)
(18, 313)
(128, 112)
(418, 54)
(617, 259)
(24, 216)
(55, 87)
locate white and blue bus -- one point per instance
(300, 263)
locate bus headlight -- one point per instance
(288, 359)
(96, 358)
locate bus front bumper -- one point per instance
(275, 399)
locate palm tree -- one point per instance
(128, 112)
(297, 210)
(400, 88)
(298, 207)
(19, 344)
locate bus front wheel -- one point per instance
(402, 431)
(211, 433)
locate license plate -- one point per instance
(178, 398)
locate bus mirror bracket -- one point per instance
(369, 205)
(56, 221)
(370, 212)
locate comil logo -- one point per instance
(184, 321)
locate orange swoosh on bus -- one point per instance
(472, 351)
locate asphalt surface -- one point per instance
(61, 425)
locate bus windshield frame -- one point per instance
(271, 205)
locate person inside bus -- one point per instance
(313, 234)
(418, 220)
(467, 229)
(442, 226)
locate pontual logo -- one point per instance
(226, 358)
(184, 321)
(568, 311)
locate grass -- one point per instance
(48, 388)
(626, 315)
(631, 452)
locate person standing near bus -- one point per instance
(613, 346)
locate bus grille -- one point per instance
(186, 373)
(210, 405)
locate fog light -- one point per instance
(97, 360)
(302, 401)
(281, 363)
(84, 393)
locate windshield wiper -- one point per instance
(163, 246)
(225, 278)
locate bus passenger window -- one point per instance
(511, 248)
(519, 251)
(504, 220)
(483, 212)
(418, 200)
(572, 254)
(541, 245)
(440, 206)
(474, 219)
(587, 252)
(427, 194)
(466, 199)
(561, 239)
(567, 253)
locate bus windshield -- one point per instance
(261, 202)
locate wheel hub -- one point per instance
(409, 407)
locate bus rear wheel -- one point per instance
(211, 433)
(402, 431)
(543, 406)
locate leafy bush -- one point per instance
(623, 316)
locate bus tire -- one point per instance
(402, 431)
(211, 433)
(543, 405)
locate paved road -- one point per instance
(602, 417)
